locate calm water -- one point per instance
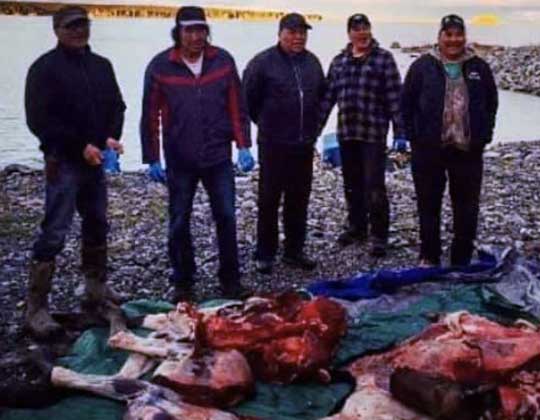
(130, 44)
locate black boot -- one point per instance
(37, 318)
(94, 267)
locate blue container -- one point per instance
(330, 150)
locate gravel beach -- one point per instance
(138, 218)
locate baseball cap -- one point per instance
(293, 21)
(358, 19)
(191, 15)
(68, 14)
(452, 21)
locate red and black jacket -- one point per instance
(196, 117)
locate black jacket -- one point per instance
(72, 100)
(283, 95)
(423, 102)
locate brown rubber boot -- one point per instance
(38, 320)
(94, 267)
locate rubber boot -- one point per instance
(94, 267)
(38, 320)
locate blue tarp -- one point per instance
(375, 283)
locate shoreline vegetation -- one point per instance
(136, 11)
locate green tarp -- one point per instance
(368, 333)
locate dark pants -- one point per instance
(464, 172)
(365, 190)
(218, 181)
(70, 187)
(284, 171)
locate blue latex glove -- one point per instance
(156, 172)
(111, 164)
(245, 160)
(400, 145)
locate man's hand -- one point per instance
(92, 155)
(245, 160)
(400, 145)
(156, 172)
(115, 145)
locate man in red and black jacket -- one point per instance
(192, 98)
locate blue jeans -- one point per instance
(218, 181)
(69, 187)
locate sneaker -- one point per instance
(299, 261)
(351, 236)
(182, 292)
(426, 263)
(378, 250)
(265, 266)
(234, 290)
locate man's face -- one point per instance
(194, 38)
(360, 37)
(452, 43)
(75, 34)
(293, 41)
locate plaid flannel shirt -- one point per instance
(367, 92)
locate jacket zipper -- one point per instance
(89, 90)
(301, 95)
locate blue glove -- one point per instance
(111, 164)
(156, 172)
(400, 145)
(245, 160)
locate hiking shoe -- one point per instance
(426, 263)
(182, 292)
(299, 261)
(378, 250)
(235, 290)
(351, 236)
(265, 266)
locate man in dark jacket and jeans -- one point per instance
(283, 87)
(74, 107)
(192, 92)
(449, 106)
(365, 83)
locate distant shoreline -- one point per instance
(136, 11)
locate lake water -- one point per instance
(130, 44)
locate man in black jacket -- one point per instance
(283, 86)
(75, 109)
(449, 105)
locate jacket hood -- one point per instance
(467, 55)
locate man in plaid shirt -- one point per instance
(365, 83)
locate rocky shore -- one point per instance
(515, 68)
(138, 218)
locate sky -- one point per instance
(382, 10)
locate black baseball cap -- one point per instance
(452, 21)
(69, 14)
(293, 21)
(358, 19)
(191, 15)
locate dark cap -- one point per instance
(293, 21)
(358, 19)
(69, 14)
(452, 21)
(191, 15)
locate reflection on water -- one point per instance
(130, 44)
